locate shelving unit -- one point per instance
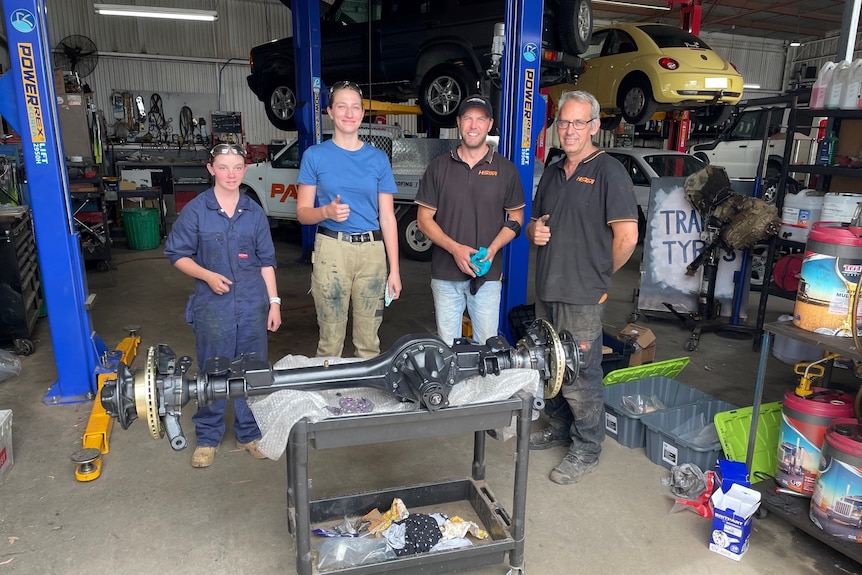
(835, 119)
(20, 279)
(90, 214)
(790, 508)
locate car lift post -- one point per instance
(522, 117)
(680, 122)
(306, 44)
(28, 102)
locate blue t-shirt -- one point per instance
(356, 176)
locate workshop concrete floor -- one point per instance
(151, 512)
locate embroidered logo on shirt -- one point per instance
(487, 172)
(243, 256)
(586, 180)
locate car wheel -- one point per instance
(280, 104)
(411, 241)
(441, 91)
(713, 115)
(636, 101)
(773, 170)
(576, 25)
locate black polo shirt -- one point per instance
(470, 205)
(576, 265)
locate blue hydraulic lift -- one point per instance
(28, 103)
(521, 117)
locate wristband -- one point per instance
(275, 300)
(514, 226)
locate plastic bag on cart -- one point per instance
(10, 365)
(343, 552)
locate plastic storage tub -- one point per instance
(627, 427)
(665, 448)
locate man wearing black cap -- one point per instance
(471, 204)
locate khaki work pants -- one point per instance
(348, 275)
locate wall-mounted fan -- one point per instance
(76, 54)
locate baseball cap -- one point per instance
(476, 101)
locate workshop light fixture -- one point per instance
(153, 12)
(631, 4)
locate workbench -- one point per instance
(506, 533)
(791, 508)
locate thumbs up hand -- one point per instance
(336, 211)
(541, 231)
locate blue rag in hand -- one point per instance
(476, 260)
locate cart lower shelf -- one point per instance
(794, 510)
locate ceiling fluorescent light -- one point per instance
(796, 44)
(751, 86)
(631, 5)
(151, 12)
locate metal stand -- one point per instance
(468, 495)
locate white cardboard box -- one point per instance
(5, 443)
(731, 520)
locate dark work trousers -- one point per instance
(579, 408)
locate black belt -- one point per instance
(358, 238)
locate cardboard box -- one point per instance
(731, 520)
(6, 459)
(644, 341)
(729, 473)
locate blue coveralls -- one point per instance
(234, 323)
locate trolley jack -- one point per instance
(418, 368)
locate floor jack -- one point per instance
(88, 459)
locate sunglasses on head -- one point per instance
(227, 149)
(345, 85)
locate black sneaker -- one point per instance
(571, 470)
(546, 439)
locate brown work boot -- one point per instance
(204, 455)
(251, 447)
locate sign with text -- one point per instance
(673, 240)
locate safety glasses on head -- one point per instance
(227, 149)
(344, 85)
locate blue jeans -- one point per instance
(450, 299)
(579, 409)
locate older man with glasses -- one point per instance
(584, 222)
(221, 239)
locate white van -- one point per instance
(739, 147)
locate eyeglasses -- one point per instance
(576, 124)
(227, 149)
(345, 85)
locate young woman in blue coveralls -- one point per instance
(221, 238)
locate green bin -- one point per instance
(142, 228)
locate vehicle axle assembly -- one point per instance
(418, 368)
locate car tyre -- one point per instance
(610, 122)
(280, 105)
(441, 91)
(576, 25)
(411, 241)
(636, 101)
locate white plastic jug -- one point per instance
(818, 90)
(839, 78)
(852, 87)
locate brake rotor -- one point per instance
(556, 360)
(146, 400)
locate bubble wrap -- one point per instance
(278, 412)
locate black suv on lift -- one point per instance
(435, 50)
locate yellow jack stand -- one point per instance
(88, 461)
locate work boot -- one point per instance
(547, 439)
(204, 455)
(571, 470)
(251, 447)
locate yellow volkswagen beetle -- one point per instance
(636, 70)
